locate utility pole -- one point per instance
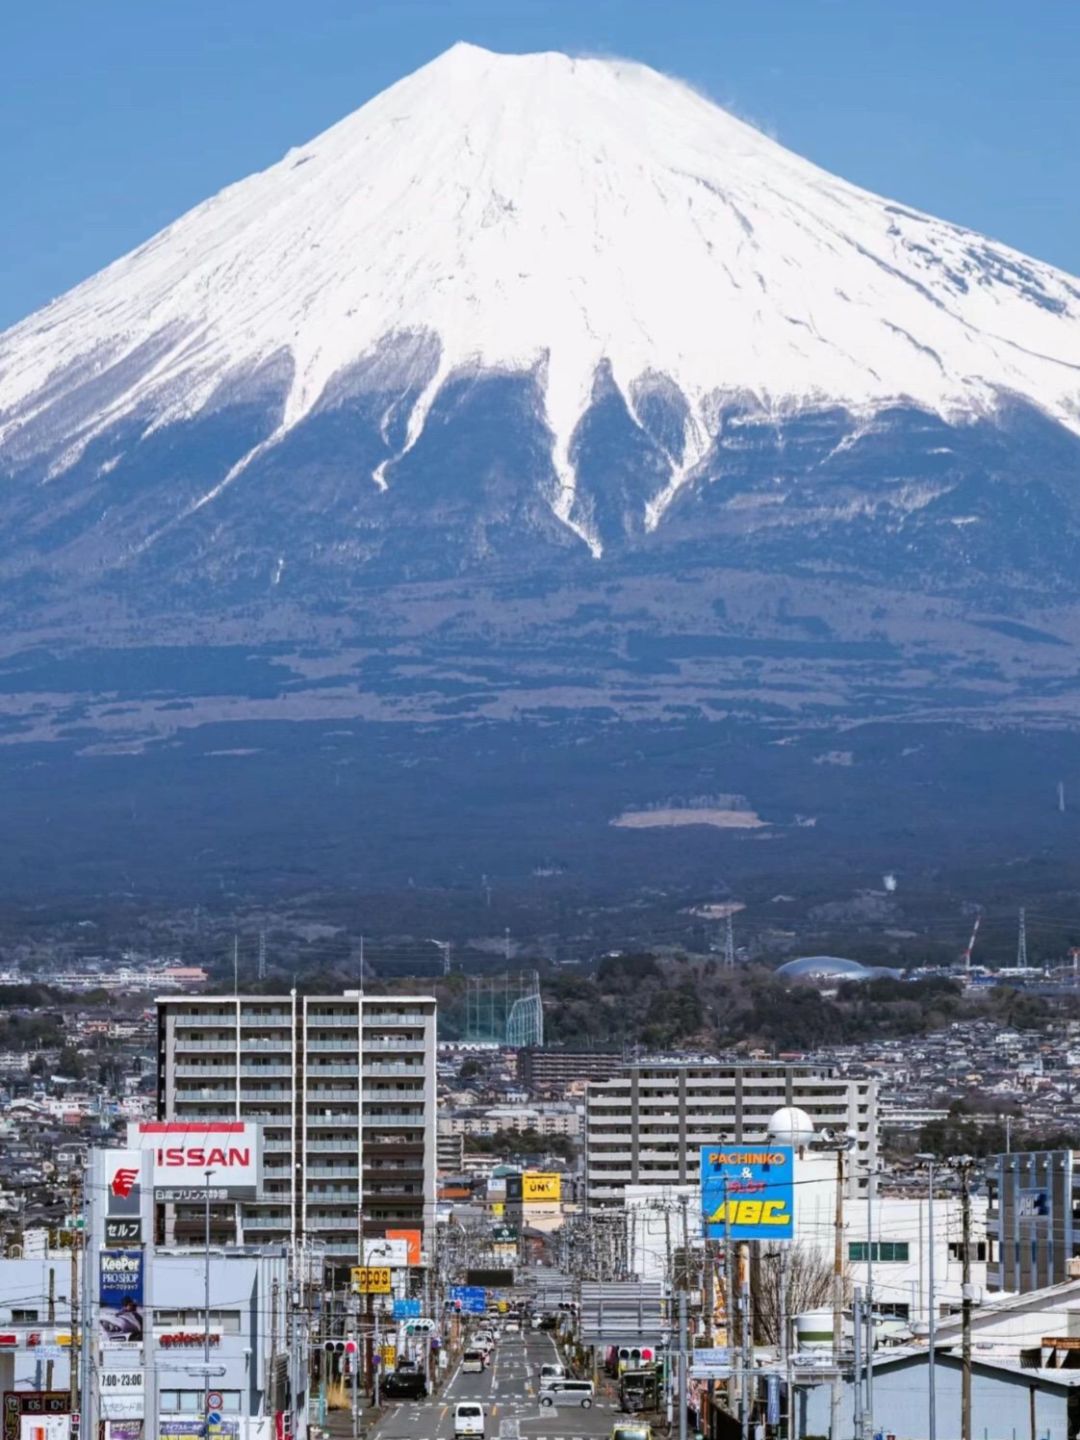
(837, 1299)
(857, 1379)
(928, 1159)
(87, 1429)
(747, 1328)
(52, 1318)
(682, 1363)
(79, 1237)
(964, 1165)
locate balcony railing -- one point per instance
(407, 1017)
(397, 1117)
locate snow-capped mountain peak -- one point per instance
(547, 215)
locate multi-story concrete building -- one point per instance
(645, 1126)
(343, 1087)
(556, 1118)
(540, 1068)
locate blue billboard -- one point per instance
(406, 1309)
(472, 1298)
(748, 1191)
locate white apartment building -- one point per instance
(645, 1126)
(554, 1119)
(343, 1087)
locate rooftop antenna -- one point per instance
(236, 964)
(262, 955)
(1021, 941)
(729, 945)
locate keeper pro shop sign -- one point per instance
(184, 1153)
(748, 1191)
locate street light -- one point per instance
(841, 1143)
(206, 1288)
(931, 1338)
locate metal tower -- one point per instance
(729, 945)
(261, 970)
(1021, 940)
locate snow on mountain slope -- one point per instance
(543, 213)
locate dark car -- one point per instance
(405, 1385)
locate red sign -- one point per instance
(186, 1339)
(123, 1182)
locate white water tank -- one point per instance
(814, 1330)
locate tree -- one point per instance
(809, 1286)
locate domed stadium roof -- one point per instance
(829, 967)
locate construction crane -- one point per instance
(971, 942)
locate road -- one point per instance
(509, 1389)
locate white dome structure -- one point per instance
(791, 1126)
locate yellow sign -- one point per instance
(752, 1212)
(389, 1356)
(498, 1207)
(540, 1187)
(371, 1279)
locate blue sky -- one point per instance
(118, 115)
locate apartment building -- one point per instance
(644, 1126)
(343, 1088)
(557, 1118)
(540, 1068)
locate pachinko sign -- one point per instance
(748, 1192)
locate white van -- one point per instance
(468, 1420)
(472, 1362)
(551, 1372)
(567, 1392)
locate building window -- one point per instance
(24, 1317)
(886, 1251)
(893, 1311)
(978, 1250)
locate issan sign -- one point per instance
(184, 1153)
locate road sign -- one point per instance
(214, 1401)
(213, 1417)
(472, 1297)
(406, 1309)
(622, 1312)
(371, 1279)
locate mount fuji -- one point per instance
(542, 387)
